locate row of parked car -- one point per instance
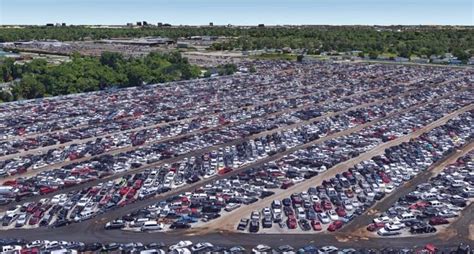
(43, 157)
(188, 247)
(120, 192)
(205, 96)
(342, 203)
(69, 111)
(225, 195)
(431, 205)
(111, 118)
(50, 181)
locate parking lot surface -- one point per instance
(290, 150)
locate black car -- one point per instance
(60, 223)
(304, 225)
(267, 223)
(110, 247)
(180, 225)
(286, 202)
(254, 226)
(193, 179)
(244, 222)
(210, 216)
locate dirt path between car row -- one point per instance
(230, 220)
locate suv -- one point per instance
(116, 224)
(254, 226)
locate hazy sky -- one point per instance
(221, 12)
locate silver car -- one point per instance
(21, 220)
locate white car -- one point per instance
(327, 250)
(394, 226)
(180, 245)
(13, 211)
(384, 219)
(267, 213)
(151, 226)
(333, 215)
(201, 246)
(37, 243)
(348, 205)
(389, 188)
(324, 218)
(21, 220)
(261, 248)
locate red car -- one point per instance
(138, 184)
(224, 171)
(287, 184)
(131, 193)
(33, 220)
(335, 225)
(291, 223)
(438, 221)
(105, 200)
(326, 205)
(349, 193)
(39, 214)
(30, 251)
(47, 190)
(316, 225)
(340, 211)
(317, 207)
(31, 208)
(123, 191)
(374, 226)
(10, 183)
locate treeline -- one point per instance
(401, 41)
(85, 74)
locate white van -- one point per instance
(436, 204)
(407, 217)
(428, 196)
(151, 225)
(84, 216)
(469, 191)
(11, 249)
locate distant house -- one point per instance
(454, 61)
(420, 60)
(399, 59)
(182, 45)
(470, 61)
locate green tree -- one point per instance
(111, 59)
(373, 54)
(30, 88)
